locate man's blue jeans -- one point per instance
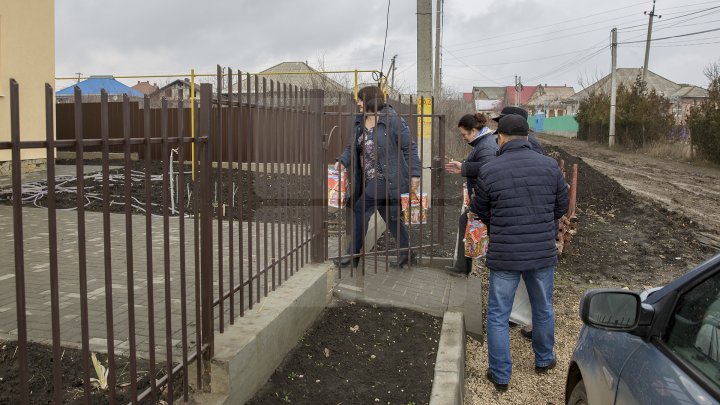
(540, 284)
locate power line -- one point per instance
(476, 70)
(547, 33)
(680, 43)
(675, 18)
(537, 59)
(524, 44)
(387, 24)
(550, 25)
(568, 65)
(673, 36)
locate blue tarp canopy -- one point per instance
(94, 84)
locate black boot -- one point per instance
(454, 271)
(461, 268)
(345, 261)
(404, 260)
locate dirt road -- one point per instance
(689, 188)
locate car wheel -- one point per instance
(578, 395)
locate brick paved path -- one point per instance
(37, 279)
(424, 287)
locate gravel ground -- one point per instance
(526, 387)
(624, 240)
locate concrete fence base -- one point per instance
(248, 353)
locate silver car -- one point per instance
(659, 347)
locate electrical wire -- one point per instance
(547, 25)
(387, 24)
(567, 65)
(673, 36)
(673, 18)
(498, 46)
(676, 44)
(535, 59)
(476, 70)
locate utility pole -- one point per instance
(424, 48)
(438, 25)
(393, 68)
(613, 87)
(78, 76)
(518, 89)
(649, 36)
(425, 86)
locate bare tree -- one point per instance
(712, 71)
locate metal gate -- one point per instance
(423, 213)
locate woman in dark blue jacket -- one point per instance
(383, 163)
(484, 143)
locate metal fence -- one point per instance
(167, 280)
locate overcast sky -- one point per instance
(485, 42)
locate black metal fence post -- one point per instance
(318, 171)
(206, 249)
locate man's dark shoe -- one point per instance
(345, 261)
(543, 370)
(499, 387)
(526, 333)
(403, 261)
(454, 271)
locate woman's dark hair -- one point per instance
(373, 98)
(470, 121)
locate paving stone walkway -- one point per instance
(425, 287)
(37, 279)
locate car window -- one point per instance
(694, 331)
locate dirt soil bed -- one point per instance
(623, 241)
(41, 378)
(358, 354)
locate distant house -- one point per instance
(682, 96)
(291, 74)
(146, 88)
(91, 87)
(177, 89)
(552, 100)
(488, 93)
(488, 106)
(541, 98)
(488, 100)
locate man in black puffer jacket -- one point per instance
(520, 196)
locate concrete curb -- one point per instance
(351, 293)
(250, 351)
(449, 381)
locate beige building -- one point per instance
(27, 54)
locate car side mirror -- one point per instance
(614, 310)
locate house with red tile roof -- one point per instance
(146, 88)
